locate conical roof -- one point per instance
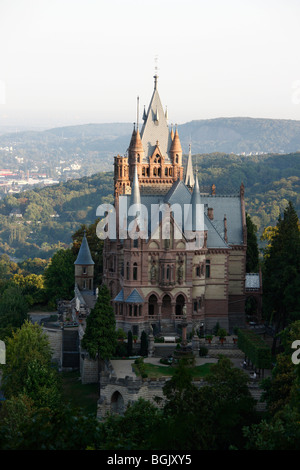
(176, 145)
(84, 256)
(136, 142)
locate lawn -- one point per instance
(80, 395)
(154, 371)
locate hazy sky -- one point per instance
(66, 62)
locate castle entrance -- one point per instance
(117, 403)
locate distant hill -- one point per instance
(96, 144)
(241, 135)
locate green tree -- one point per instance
(100, 334)
(252, 256)
(135, 430)
(281, 268)
(13, 309)
(59, 276)
(144, 344)
(27, 344)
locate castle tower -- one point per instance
(121, 176)
(84, 267)
(176, 157)
(155, 151)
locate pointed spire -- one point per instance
(84, 255)
(195, 201)
(176, 145)
(135, 189)
(172, 132)
(189, 176)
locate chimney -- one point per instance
(210, 213)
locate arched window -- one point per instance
(143, 171)
(179, 304)
(166, 171)
(152, 305)
(117, 403)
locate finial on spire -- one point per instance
(155, 73)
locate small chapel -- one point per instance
(154, 280)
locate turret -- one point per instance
(84, 266)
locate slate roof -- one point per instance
(120, 296)
(221, 205)
(133, 298)
(84, 256)
(153, 131)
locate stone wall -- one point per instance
(88, 369)
(117, 393)
(55, 336)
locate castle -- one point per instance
(153, 279)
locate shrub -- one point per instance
(203, 351)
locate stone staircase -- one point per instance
(70, 349)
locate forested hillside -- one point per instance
(36, 223)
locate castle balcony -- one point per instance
(167, 285)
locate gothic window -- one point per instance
(135, 309)
(143, 171)
(168, 273)
(177, 158)
(198, 271)
(127, 271)
(138, 158)
(166, 171)
(207, 268)
(179, 304)
(170, 171)
(154, 171)
(195, 305)
(84, 270)
(152, 305)
(135, 271)
(135, 243)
